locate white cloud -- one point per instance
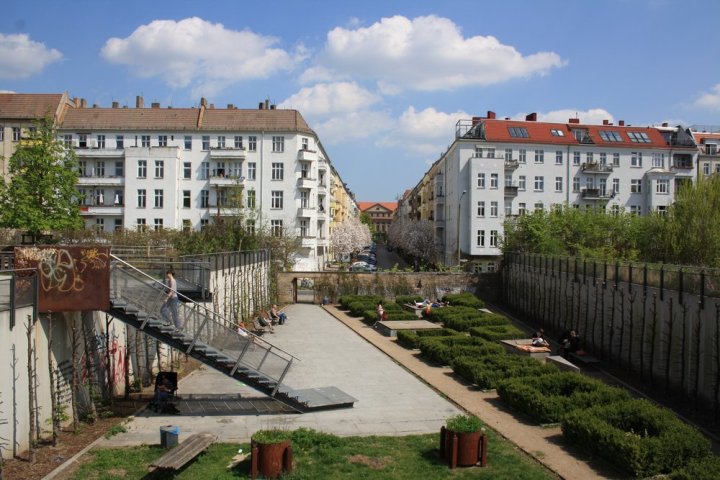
(592, 116)
(424, 132)
(352, 126)
(21, 57)
(196, 52)
(710, 100)
(425, 53)
(330, 98)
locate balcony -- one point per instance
(511, 164)
(109, 210)
(594, 194)
(306, 182)
(307, 241)
(305, 155)
(227, 153)
(306, 212)
(95, 152)
(594, 167)
(511, 190)
(322, 189)
(223, 210)
(101, 180)
(219, 179)
(682, 166)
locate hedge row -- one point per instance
(637, 436)
(409, 338)
(444, 349)
(496, 333)
(488, 370)
(706, 468)
(371, 316)
(548, 398)
(465, 299)
(403, 299)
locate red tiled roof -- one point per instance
(26, 106)
(700, 136)
(540, 132)
(363, 206)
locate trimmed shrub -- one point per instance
(495, 333)
(346, 300)
(403, 299)
(637, 436)
(443, 350)
(465, 299)
(442, 314)
(548, 398)
(487, 371)
(706, 468)
(481, 320)
(409, 339)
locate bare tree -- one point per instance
(31, 388)
(75, 381)
(54, 413)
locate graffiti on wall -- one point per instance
(71, 278)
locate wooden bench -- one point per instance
(176, 458)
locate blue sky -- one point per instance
(382, 82)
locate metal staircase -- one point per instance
(136, 299)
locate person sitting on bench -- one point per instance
(277, 316)
(570, 343)
(539, 340)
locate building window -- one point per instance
(145, 141)
(481, 180)
(162, 140)
(491, 266)
(251, 199)
(603, 158)
(662, 186)
(558, 157)
(539, 206)
(119, 142)
(250, 227)
(276, 228)
(493, 238)
(576, 184)
(305, 143)
(278, 144)
(304, 228)
(204, 170)
(508, 179)
(521, 182)
(158, 224)
(67, 141)
(638, 137)
(636, 185)
(118, 224)
(480, 238)
(491, 153)
(539, 183)
(158, 198)
(252, 170)
(603, 186)
(204, 198)
(518, 132)
(100, 169)
(557, 133)
(522, 209)
(635, 210)
(522, 155)
(493, 209)
(82, 140)
(539, 156)
(100, 141)
(493, 180)
(119, 169)
(304, 170)
(278, 171)
(589, 183)
(662, 210)
(141, 225)
(142, 169)
(658, 160)
(558, 184)
(238, 142)
(706, 168)
(159, 168)
(187, 142)
(481, 209)
(187, 170)
(276, 199)
(141, 198)
(616, 186)
(252, 143)
(576, 158)
(508, 154)
(206, 142)
(636, 159)
(119, 200)
(2, 133)
(16, 135)
(304, 199)
(186, 198)
(221, 141)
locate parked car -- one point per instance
(362, 267)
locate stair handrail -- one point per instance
(208, 312)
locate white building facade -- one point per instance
(498, 169)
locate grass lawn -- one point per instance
(323, 456)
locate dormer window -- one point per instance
(518, 132)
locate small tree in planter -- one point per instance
(271, 453)
(463, 442)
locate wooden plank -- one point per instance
(186, 451)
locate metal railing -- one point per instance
(204, 326)
(18, 288)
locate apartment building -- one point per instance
(185, 168)
(708, 151)
(381, 214)
(500, 168)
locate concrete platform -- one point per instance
(512, 346)
(389, 328)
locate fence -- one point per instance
(658, 323)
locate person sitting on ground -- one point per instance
(276, 315)
(437, 303)
(263, 321)
(570, 342)
(539, 340)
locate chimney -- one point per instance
(621, 123)
(139, 102)
(261, 105)
(212, 106)
(272, 107)
(155, 105)
(203, 102)
(532, 117)
(665, 124)
(507, 118)
(574, 120)
(606, 122)
(76, 101)
(230, 106)
(115, 104)
(491, 115)
(95, 105)
(267, 104)
(83, 103)
(476, 120)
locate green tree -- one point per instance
(41, 194)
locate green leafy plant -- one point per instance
(464, 424)
(271, 436)
(114, 430)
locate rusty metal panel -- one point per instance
(70, 278)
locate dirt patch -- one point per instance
(374, 463)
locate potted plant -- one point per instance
(463, 441)
(271, 453)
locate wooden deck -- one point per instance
(176, 458)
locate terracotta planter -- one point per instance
(270, 460)
(463, 449)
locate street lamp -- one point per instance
(458, 225)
